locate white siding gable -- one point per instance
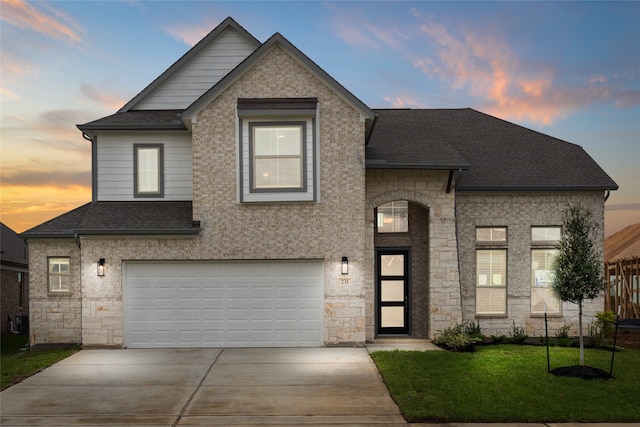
(115, 180)
(198, 76)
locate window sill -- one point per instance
(491, 316)
(549, 315)
(58, 294)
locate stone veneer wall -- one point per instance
(519, 212)
(417, 239)
(54, 317)
(426, 188)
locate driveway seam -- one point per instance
(204, 377)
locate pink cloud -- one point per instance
(106, 99)
(189, 34)
(404, 101)
(42, 18)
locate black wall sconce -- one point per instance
(345, 265)
(101, 267)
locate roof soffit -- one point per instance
(228, 23)
(276, 40)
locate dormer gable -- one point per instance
(198, 70)
(277, 40)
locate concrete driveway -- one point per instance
(322, 386)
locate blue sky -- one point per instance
(567, 69)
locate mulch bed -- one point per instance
(584, 372)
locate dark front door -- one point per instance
(392, 291)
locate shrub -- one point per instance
(562, 335)
(455, 338)
(601, 328)
(518, 336)
(473, 330)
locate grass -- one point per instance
(17, 364)
(510, 383)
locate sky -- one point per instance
(567, 69)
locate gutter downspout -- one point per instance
(94, 165)
(455, 213)
(607, 194)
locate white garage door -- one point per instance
(223, 304)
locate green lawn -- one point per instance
(17, 364)
(510, 383)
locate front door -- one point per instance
(392, 291)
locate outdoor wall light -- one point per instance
(345, 265)
(101, 267)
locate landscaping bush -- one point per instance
(517, 334)
(456, 338)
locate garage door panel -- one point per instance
(239, 304)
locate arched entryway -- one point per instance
(401, 241)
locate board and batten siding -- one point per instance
(199, 75)
(114, 173)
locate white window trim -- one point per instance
(51, 275)
(136, 177)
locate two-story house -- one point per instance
(246, 198)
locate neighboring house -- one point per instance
(622, 272)
(246, 198)
(14, 282)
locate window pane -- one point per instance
(393, 217)
(491, 234)
(149, 170)
(541, 281)
(392, 317)
(59, 278)
(491, 267)
(392, 265)
(391, 290)
(277, 161)
(278, 173)
(545, 234)
(491, 300)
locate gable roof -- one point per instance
(625, 244)
(491, 153)
(13, 249)
(120, 218)
(191, 54)
(276, 40)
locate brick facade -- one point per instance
(15, 297)
(519, 212)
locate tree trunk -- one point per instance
(580, 333)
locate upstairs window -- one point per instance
(148, 170)
(59, 275)
(277, 154)
(393, 217)
(278, 150)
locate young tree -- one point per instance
(578, 270)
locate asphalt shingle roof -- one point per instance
(138, 120)
(120, 218)
(13, 249)
(493, 154)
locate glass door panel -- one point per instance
(392, 290)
